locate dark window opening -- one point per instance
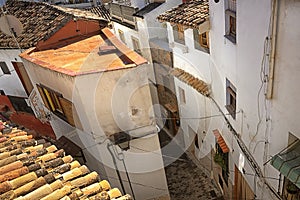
(20, 104)
(230, 99)
(4, 68)
(223, 160)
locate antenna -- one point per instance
(10, 25)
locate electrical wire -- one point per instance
(263, 82)
(196, 118)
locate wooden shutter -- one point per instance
(40, 89)
(68, 109)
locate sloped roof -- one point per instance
(190, 14)
(101, 11)
(147, 9)
(98, 53)
(34, 169)
(40, 21)
(192, 81)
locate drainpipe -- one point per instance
(273, 49)
(116, 166)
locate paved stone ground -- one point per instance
(186, 180)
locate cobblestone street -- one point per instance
(186, 180)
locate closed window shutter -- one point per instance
(43, 96)
(68, 109)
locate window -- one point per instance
(122, 36)
(136, 45)
(4, 68)
(55, 102)
(230, 23)
(178, 31)
(196, 141)
(201, 41)
(181, 95)
(222, 159)
(230, 98)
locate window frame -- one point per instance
(199, 43)
(231, 104)
(230, 15)
(4, 68)
(178, 33)
(182, 96)
(122, 36)
(51, 101)
(136, 45)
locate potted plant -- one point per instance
(218, 159)
(291, 188)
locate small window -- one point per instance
(136, 45)
(230, 99)
(178, 31)
(201, 41)
(181, 95)
(55, 102)
(196, 141)
(4, 68)
(230, 23)
(122, 36)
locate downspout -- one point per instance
(273, 49)
(116, 166)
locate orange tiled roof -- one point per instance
(190, 14)
(221, 141)
(94, 54)
(189, 79)
(34, 169)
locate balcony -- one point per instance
(123, 14)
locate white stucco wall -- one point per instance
(91, 94)
(11, 83)
(241, 64)
(284, 105)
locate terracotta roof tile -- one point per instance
(40, 21)
(189, 79)
(38, 170)
(221, 141)
(101, 11)
(190, 14)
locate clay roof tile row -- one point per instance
(189, 79)
(190, 14)
(35, 169)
